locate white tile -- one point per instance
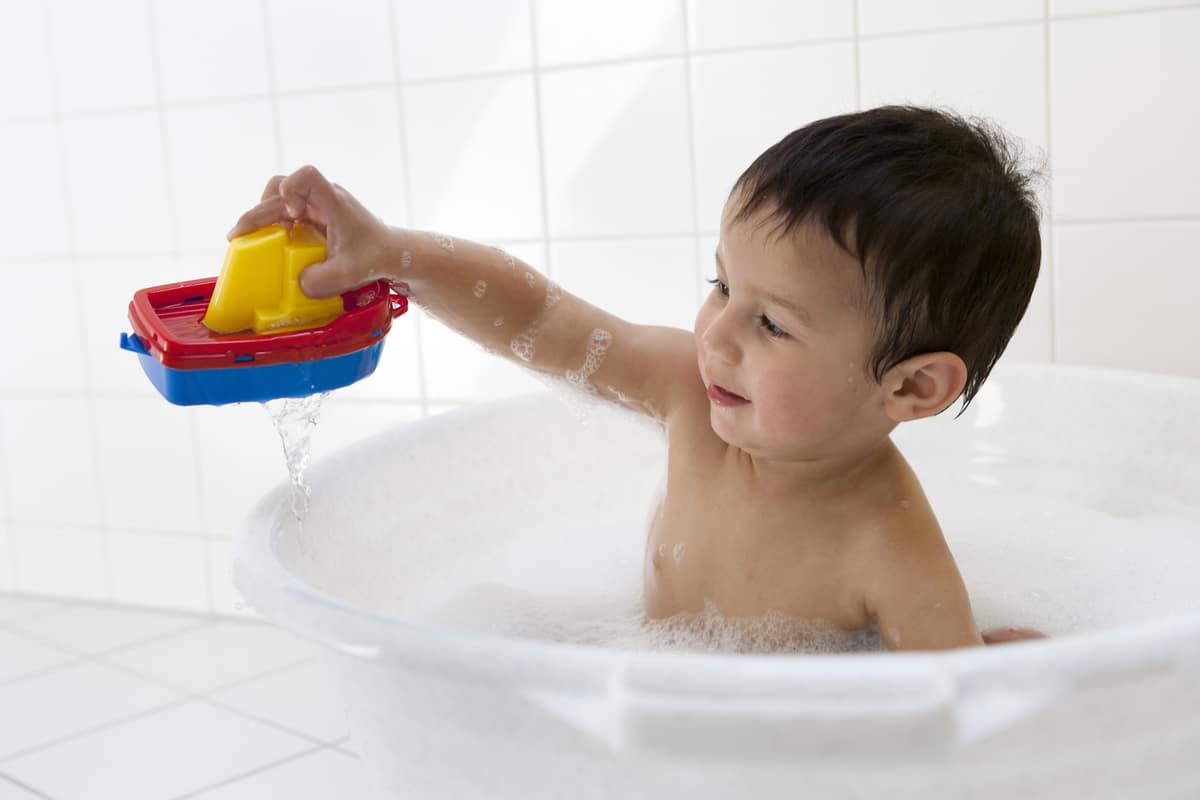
(152, 440)
(11, 791)
(188, 34)
(35, 216)
(89, 629)
(473, 163)
(216, 655)
(42, 357)
(1099, 320)
(102, 54)
(178, 750)
(1062, 8)
(16, 608)
(24, 656)
(109, 285)
(25, 51)
(353, 137)
(461, 37)
(646, 281)
(8, 568)
(43, 564)
(272, 698)
(318, 776)
(459, 371)
(354, 43)
(45, 442)
(160, 570)
(882, 16)
(69, 701)
(970, 71)
(746, 102)
(578, 31)
(615, 155)
(1103, 163)
(398, 375)
(240, 459)
(716, 24)
(118, 186)
(220, 158)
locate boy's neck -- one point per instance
(819, 480)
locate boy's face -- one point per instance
(784, 328)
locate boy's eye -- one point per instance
(720, 284)
(772, 329)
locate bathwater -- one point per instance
(295, 419)
(532, 525)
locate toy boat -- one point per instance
(250, 334)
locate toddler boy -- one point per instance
(871, 269)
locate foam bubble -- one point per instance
(598, 344)
(480, 289)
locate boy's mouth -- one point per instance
(724, 397)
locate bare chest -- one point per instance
(709, 542)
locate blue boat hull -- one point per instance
(251, 383)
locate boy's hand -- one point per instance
(1004, 635)
(356, 250)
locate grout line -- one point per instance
(173, 221)
(540, 131)
(250, 773)
(690, 114)
(1125, 220)
(113, 723)
(1053, 282)
(406, 184)
(10, 779)
(855, 13)
(72, 239)
(185, 696)
(366, 85)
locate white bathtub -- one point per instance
(529, 495)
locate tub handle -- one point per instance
(819, 711)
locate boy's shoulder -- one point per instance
(911, 582)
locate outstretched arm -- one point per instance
(485, 294)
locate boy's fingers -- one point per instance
(272, 189)
(308, 195)
(265, 213)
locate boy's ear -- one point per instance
(923, 385)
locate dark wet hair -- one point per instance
(944, 222)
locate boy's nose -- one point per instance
(718, 339)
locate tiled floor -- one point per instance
(98, 702)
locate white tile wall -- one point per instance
(616, 149)
(596, 142)
(1126, 118)
(718, 25)
(461, 37)
(745, 101)
(579, 31)
(24, 51)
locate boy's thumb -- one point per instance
(324, 279)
